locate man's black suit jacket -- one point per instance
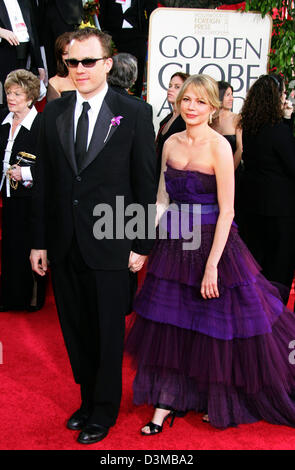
(71, 11)
(111, 16)
(123, 165)
(26, 10)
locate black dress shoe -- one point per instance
(92, 433)
(78, 420)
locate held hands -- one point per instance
(38, 260)
(209, 288)
(9, 36)
(136, 262)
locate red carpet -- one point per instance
(37, 395)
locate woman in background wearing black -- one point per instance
(225, 122)
(267, 222)
(19, 130)
(173, 122)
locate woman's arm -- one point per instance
(52, 93)
(239, 150)
(162, 195)
(239, 141)
(224, 172)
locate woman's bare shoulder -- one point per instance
(220, 146)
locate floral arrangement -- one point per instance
(91, 8)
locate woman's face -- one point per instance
(228, 99)
(194, 107)
(174, 86)
(17, 99)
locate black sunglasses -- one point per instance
(87, 62)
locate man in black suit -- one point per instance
(89, 268)
(55, 18)
(18, 40)
(129, 30)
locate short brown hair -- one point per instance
(26, 80)
(183, 76)
(104, 38)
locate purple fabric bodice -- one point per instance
(190, 186)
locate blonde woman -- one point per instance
(210, 329)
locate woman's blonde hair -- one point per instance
(205, 86)
(27, 81)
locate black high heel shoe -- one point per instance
(157, 428)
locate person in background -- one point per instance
(19, 131)
(123, 73)
(127, 22)
(211, 334)
(226, 123)
(267, 190)
(55, 18)
(61, 82)
(18, 39)
(173, 122)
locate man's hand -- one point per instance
(9, 36)
(136, 261)
(38, 260)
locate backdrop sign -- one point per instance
(227, 45)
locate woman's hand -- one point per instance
(209, 288)
(15, 173)
(9, 36)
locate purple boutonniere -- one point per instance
(115, 121)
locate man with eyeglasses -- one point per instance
(90, 274)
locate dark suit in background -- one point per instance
(267, 201)
(56, 17)
(8, 54)
(132, 40)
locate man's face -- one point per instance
(89, 80)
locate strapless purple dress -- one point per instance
(230, 356)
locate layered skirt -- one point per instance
(230, 356)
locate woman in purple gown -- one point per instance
(211, 334)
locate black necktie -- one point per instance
(82, 135)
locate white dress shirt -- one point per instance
(125, 5)
(26, 171)
(17, 20)
(95, 104)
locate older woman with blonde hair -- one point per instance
(211, 332)
(19, 130)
